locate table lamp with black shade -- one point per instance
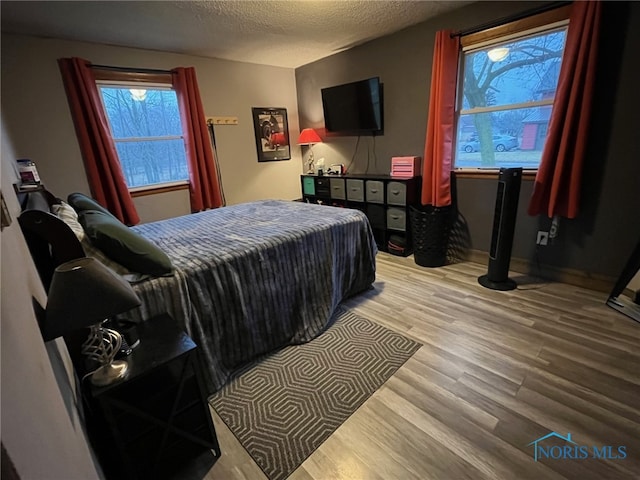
(85, 293)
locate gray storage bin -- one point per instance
(337, 189)
(396, 193)
(396, 219)
(355, 190)
(375, 191)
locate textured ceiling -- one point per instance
(281, 33)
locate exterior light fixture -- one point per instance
(138, 95)
(498, 54)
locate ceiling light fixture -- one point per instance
(498, 54)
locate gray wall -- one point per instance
(601, 239)
(39, 122)
(41, 429)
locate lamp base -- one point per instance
(311, 169)
(107, 374)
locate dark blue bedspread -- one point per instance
(254, 277)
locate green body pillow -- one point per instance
(80, 202)
(123, 245)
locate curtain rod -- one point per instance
(510, 18)
(129, 69)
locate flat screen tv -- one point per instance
(354, 108)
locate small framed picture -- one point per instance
(272, 134)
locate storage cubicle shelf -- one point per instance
(384, 199)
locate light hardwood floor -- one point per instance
(496, 371)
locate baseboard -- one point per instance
(592, 281)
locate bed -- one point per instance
(249, 278)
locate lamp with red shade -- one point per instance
(308, 136)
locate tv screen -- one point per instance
(353, 108)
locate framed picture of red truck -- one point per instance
(272, 133)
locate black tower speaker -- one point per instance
(504, 225)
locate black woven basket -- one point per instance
(430, 227)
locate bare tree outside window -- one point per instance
(507, 96)
(145, 125)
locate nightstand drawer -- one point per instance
(337, 189)
(308, 186)
(355, 190)
(323, 188)
(396, 193)
(375, 191)
(396, 219)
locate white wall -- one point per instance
(41, 429)
(164, 205)
(38, 119)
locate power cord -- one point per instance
(367, 169)
(375, 157)
(536, 256)
(86, 375)
(346, 170)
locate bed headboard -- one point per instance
(50, 240)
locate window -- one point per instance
(145, 125)
(506, 92)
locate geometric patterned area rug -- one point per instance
(282, 407)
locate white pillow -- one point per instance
(68, 215)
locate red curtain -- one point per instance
(438, 150)
(105, 176)
(205, 188)
(557, 186)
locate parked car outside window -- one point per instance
(501, 143)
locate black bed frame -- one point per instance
(51, 243)
(50, 240)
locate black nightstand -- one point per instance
(156, 421)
